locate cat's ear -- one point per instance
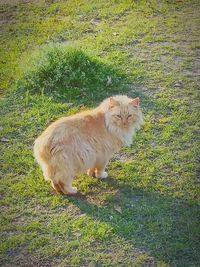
(135, 102)
(113, 102)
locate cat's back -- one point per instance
(81, 123)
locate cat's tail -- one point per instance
(43, 157)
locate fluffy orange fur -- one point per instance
(85, 142)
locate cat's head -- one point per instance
(123, 112)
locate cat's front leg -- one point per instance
(100, 172)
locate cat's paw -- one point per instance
(71, 191)
(91, 172)
(104, 175)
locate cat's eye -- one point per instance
(129, 116)
(119, 116)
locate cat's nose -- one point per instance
(125, 123)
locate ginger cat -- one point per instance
(86, 141)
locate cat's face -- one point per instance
(124, 114)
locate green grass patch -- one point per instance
(67, 73)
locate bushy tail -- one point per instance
(43, 158)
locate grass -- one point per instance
(58, 59)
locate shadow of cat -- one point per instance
(165, 227)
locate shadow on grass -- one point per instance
(166, 228)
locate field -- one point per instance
(61, 57)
